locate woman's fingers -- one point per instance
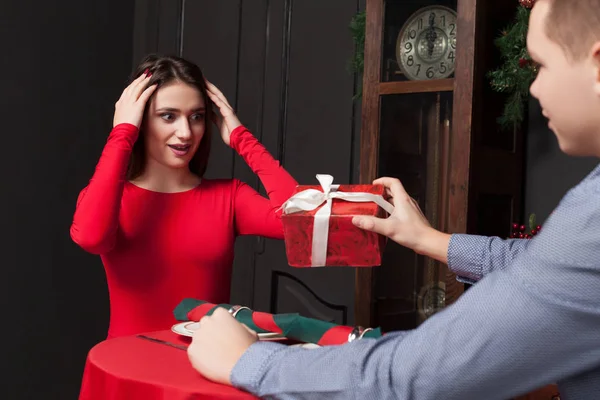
(139, 88)
(146, 94)
(129, 89)
(213, 91)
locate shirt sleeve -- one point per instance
(255, 214)
(471, 257)
(499, 338)
(96, 219)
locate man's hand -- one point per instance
(406, 225)
(218, 344)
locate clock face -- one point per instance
(426, 45)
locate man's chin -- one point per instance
(576, 151)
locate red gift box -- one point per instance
(346, 244)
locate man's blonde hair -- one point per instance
(574, 25)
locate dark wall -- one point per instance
(549, 172)
(63, 67)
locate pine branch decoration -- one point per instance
(357, 29)
(517, 71)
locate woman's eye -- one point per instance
(198, 117)
(167, 116)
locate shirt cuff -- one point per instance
(465, 257)
(247, 372)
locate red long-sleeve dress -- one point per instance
(158, 248)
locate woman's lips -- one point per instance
(180, 150)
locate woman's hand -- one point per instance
(227, 121)
(130, 107)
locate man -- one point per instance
(535, 317)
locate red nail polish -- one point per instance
(146, 71)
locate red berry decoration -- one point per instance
(519, 231)
(523, 62)
(527, 3)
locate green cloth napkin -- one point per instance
(292, 326)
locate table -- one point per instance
(131, 368)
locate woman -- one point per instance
(163, 232)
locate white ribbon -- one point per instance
(310, 199)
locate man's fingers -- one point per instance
(373, 224)
(203, 321)
(394, 185)
(252, 332)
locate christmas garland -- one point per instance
(515, 75)
(513, 78)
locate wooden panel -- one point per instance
(308, 117)
(290, 295)
(549, 392)
(438, 85)
(170, 27)
(145, 34)
(203, 39)
(494, 210)
(460, 143)
(369, 142)
(319, 107)
(251, 70)
(260, 81)
(497, 161)
(413, 131)
(238, 71)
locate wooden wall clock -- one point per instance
(429, 119)
(426, 45)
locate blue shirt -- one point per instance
(533, 318)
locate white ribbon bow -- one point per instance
(310, 199)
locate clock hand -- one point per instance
(431, 34)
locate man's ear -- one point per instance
(595, 58)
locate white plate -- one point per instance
(306, 346)
(187, 329)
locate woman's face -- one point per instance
(174, 125)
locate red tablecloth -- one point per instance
(131, 368)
